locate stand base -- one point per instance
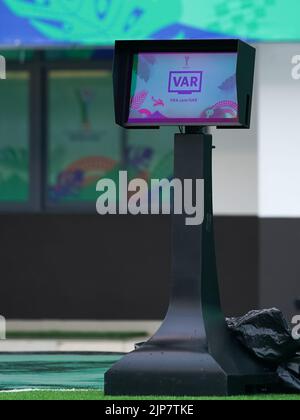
(181, 373)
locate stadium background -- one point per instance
(61, 261)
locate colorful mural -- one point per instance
(85, 143)
(100, 22)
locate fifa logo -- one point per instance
(2, 68)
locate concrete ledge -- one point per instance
(106, 346)
(150, 327)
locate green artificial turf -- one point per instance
(68, 335)
(98, 395)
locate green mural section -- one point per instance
(14, 138)
(150, 155)
(151, 151)
(262, 20)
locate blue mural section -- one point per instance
(15, 30)
(92, 22)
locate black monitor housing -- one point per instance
(125, 51)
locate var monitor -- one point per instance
(190, 83)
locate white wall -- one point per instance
(278, 131)
(257, 172)
(236, 169)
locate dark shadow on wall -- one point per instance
(91, 267)
(280, 265)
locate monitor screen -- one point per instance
(184, 89)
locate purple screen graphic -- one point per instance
(185, 82)
(184, 88)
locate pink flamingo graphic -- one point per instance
(157, 102)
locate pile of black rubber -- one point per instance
(267, 335)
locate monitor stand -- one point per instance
(193, 353)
